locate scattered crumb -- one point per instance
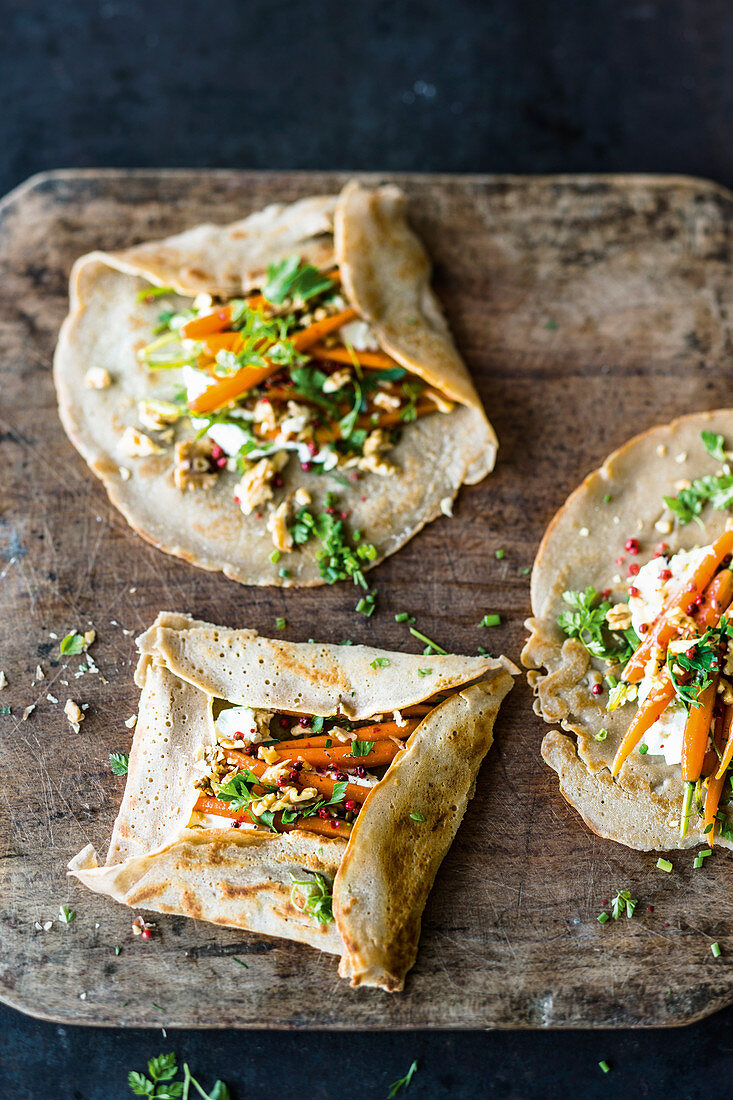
(681, 457)
(3, 680)
(74, 714)
(51, 698)
(89, 637)
(130, 722)
(127, 633)
(82, 996)
(53, 635)
(124, 473)
(584, 532)
(446, 506)
(616, 520)
(664, 526)
(43, 926)
(661, 450)
(617, 579)
(133, 591)
(28, 711)
(40, 675)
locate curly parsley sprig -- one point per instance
(587, 621)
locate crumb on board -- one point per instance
(27, 712)
(130, 722)
(74, 713)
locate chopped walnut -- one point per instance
(297, 420)
(619, 617)
(254, 487)
(277, 525)
(264, 415)
(441, 402)
(387, 401)
(97, 378)
(192, 468)
(136, 444)
(338, 380)
(74, 713)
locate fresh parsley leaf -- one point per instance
(237, 791)
(622, 904)
(714, 445)
(691, 675)
(402, 1082)
(417, 817)
(316, 895)
(119, 762)
(347, 424)
(362, 748)
(424, 671)
(317, 723)
(587, 621)
(308, 383)
(380, 662)
(163, 1068)
(139, 1083)
(339, 793)
(73, 643)
(288, 278)
(66, 915)
(688, 504)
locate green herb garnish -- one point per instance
(601, 735)
(72, 644)
(622, 904)
(362, 748)
(289, 278)
(404, 617)
(119, 762)
(380, 662)
(150, 293)
(691, 675)
(66, 915)
(604, 1067)
(433, 647)
(161, 1086)
(367, 603)
(417, 817)
(402, 1082)
(715, 948)
(281, 623)
(318, 897)
(587, 621)
(424, 671)
(714, 445)
(664, 865)
(490, 620)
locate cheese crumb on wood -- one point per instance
(74, 713)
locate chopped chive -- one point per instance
(404, 617)
(424, 671)
(525, 570)
(490, 620)
(697, 863)
(664, 865)
(602, 918)
(715, 948)
(604, 1067)
(380, 662)
(417, 817)
(117, 949)
(239, 962)
(434, 645)
(601, 735)
(500, 554)
(611, 681)
(686, 807)
(284, 572)
(275, 556)
(483, 652)
(643, 750)
(607, 498)
(281, 623)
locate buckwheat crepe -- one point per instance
(641, 807)
(385, 276)
(242, 878)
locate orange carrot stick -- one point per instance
(322, 783)
(216, 806)
(727, 736)
(381, 731)
(207, 323)
(653, 706)
(382, 752)
(222, 341)
(340, 354)
(229, 389)
(717, 599)
(712, 801)
(697, 732)
(663, 630)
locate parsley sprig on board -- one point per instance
(402, 1082)
(289, 278)
(159, 1083)
(316, 896)
(586, 620)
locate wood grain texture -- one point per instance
(587, 309)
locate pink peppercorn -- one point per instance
(633, 570)
(344, 515)
(277, 481)
(360, 772)
(620, 559)
(298, 766)
(216, 451)
(323, 812)
(335, 823)
(303, 721)
(632, 545)
(665, 575)
(305, 466)
(281, 781)
(146, 934)
(312, 448)
(633, 592)
(643, 628)
(330, 511)
(597, 689)
(605, 593)
(351, 805)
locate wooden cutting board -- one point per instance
(588, 309)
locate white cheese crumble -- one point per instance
(242, 720)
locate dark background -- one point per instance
(456, 86)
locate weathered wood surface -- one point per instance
(588, 309)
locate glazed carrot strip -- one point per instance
(222, 341)
(652, 708)
(209, 323)
(728, 744)
(206, 805)
(322, 783)
(382, 752)
(663, 630)
(697, 732)
(381, 731)
(340, 354)
(229, 389)
(717, 599)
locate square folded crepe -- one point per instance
(169, 856)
